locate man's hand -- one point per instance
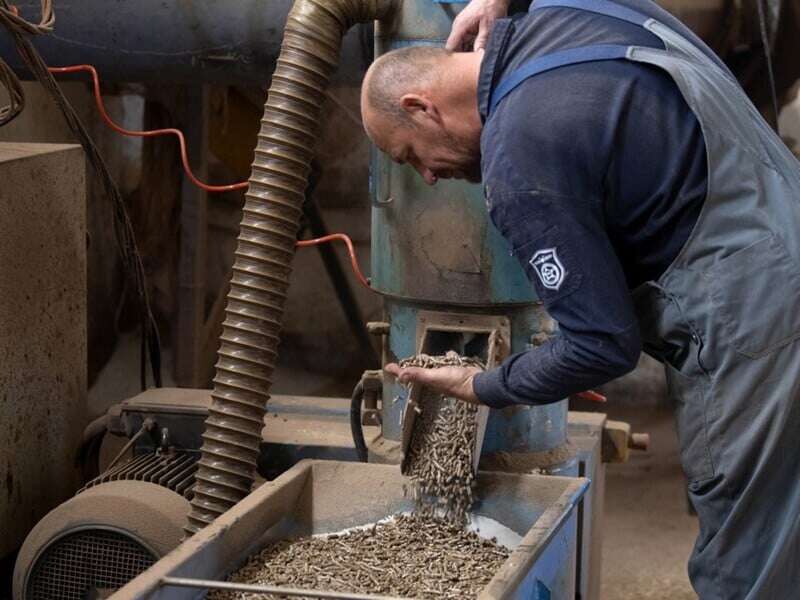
(455, 382)
(472, 25)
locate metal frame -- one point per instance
(267, 589)
(192, 262)
(428, 320)
(320, 497)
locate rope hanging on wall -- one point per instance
(9, 17)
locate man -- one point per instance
(651, 207)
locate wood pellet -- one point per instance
(429, 554)
(410, 556)
(440, 455)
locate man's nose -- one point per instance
(428, 175)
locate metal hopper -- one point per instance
(327, 496)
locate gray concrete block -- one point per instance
(42, 330)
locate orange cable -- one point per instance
(156, 132)
(349, 243)
(185, 160)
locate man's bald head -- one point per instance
(399, 72)
(419, 106)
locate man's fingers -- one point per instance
(434, 377)
(454, 381)
(455, 40)
(465, 27)
(452, 42)
(415, 375)
(483, 36)
(407, 374)
(392, 369)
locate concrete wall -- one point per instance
(41, 121)
(42, 331)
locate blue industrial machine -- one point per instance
(442, 267)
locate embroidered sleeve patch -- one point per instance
(549, 268)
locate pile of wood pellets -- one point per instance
(427, 555)
(409, 556)
(440, 454)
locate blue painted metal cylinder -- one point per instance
(433, 248)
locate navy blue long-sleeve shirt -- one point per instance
(595, 173)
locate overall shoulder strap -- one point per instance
(548, 62)
(601, 7)
(571, 56)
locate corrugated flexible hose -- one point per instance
(268, 231)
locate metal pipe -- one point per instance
(356, 428)
(268, 232)
(202, 41)
(268, 589)
(97, 427)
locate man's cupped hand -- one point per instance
(455, 382)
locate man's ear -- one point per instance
(420, 108)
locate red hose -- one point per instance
(98, 97)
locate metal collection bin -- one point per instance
(328, 496)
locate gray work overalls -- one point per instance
(725, 320)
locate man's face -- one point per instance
(429, 147)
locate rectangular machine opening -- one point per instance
(465, 343)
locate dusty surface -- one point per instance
(527, 462)
(410, 557)
(43, 340)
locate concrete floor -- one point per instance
(649, 533)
